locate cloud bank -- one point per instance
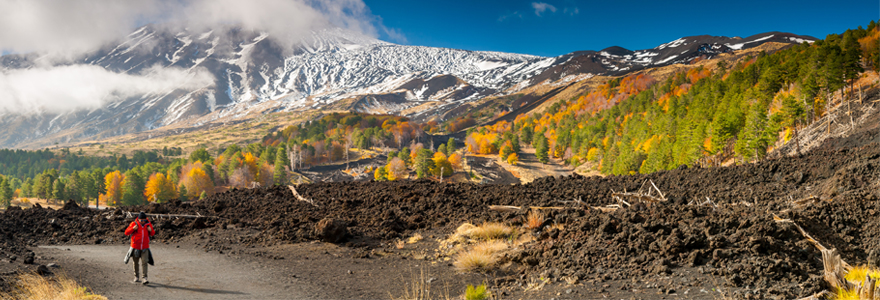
(63, 32)
(68, 88)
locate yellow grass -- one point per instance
(415, 238)
(474, 260)
(36, 287)
(486, 231)
(858, 274)
(843, 294)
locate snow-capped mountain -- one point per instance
(251, 71)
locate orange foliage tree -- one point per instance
(455, 160)
(113, 186)
(159, 188)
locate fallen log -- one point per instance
(637, 196)
(129, 215)
(301, 198)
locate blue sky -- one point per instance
(555, 27)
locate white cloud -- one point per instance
(75, 87)
(541, 7)
(571, 11)
(68, 29)
(515, 14)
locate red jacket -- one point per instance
(140, 238)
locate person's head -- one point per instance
(142, 216)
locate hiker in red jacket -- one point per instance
(141, 230)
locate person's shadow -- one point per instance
(199, 290)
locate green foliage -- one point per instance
(423, 163)
(181, 193)
(5, 191)
(279, 173)
(201, 155)
(450, 146)
(203, 195)
(476, 293)
(133, 188)
(404, 156)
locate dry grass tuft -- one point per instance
(414, 239)
(33, 286)
(486, 231)
(419, 288)
(399, 244)
(474, 260)
(535, 219)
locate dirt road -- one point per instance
(179, 273)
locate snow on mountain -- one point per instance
(251, 70)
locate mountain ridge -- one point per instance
(252, 72)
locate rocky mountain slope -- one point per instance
(252, 72)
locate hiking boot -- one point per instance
(136, 280)
(146, 281)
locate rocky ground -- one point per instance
(714, 236)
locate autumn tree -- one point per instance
(113, 188)
(195, 180)
(455, 160)
(513, 159)
(396, 169)
(241, 178)
(440, 165)
(159, 189)
(381, 174)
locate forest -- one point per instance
(636, 124)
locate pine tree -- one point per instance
(280, 173)
(542, 148)
(423, 163)
(133, 188)
(5, 192)
(450, 146)
(58, 190)
(181, 192)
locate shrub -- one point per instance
(535, 219)
(476, 293)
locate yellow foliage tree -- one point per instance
(513, 159)
(250, 161)
(441, 165)
(159, 188)
(113, 186)
(196, 180)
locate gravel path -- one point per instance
(179, 273)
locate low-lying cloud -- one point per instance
(61, 33)
(76, 87)
(69, 28)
